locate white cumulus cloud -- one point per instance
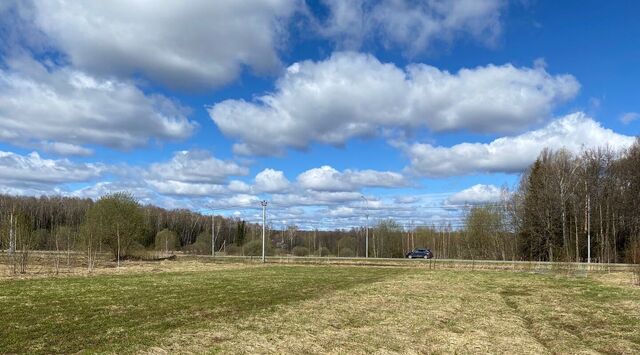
(61, 109)
(476, 194)
(326, 178)
(194, 172)
(184, 44)
(412, 26)
(269, 180)
(32, 174)
(354, 95)
(512, 154)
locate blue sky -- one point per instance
(420, 107)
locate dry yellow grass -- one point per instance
(44, 268)
(437, 312)
(196, 307)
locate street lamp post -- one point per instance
(366, 236)
(264, 220)
(213, 234)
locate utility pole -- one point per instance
(366, 237)
(213, 234)
(413, 240)
(588, 229)
(264, 221)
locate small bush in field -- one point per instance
(300, 251)
(137, 251)
(201, 246)
(233, 250)
(254, 248)
(324, 251)
(166, 240)
(346, 252)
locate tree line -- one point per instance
(569, 206)
(566, 207)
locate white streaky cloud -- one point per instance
(236, 201)
(194, 44)
(61, 109)
(629, 117)
(476, 194)
(137, 188)
(326, 178)
(141, 191)
(343, 211)
(65, 149)
(237, 186)
(172, 187)
(25, 170)
(315, 198)
(193, 173)
(409, 25)
(354, 95)
(271, 181)
(196, 166)
(512, 154)
(307, 209)
(43, 190)
(373, 178)
(406, 200)
(33, 168)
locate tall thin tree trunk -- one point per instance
(118, 237)
(577, 236)
(602, 236)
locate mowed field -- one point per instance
(250, 308)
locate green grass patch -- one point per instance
(127, 312)
(318, 309)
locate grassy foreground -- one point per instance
(318, 309)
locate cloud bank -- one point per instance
(355, 95)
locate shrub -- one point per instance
(166, 240)
(300, 251)
(254, 248)
(137, 251)
(117, 220)
(202, 245)
(324, 251)
(279, 252)
(233, 250)
(41, 240)
(346, 252)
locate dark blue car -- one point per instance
(420, 253)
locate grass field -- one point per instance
(245, 308)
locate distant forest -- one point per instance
(563, 200)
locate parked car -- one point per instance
(420, 253)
